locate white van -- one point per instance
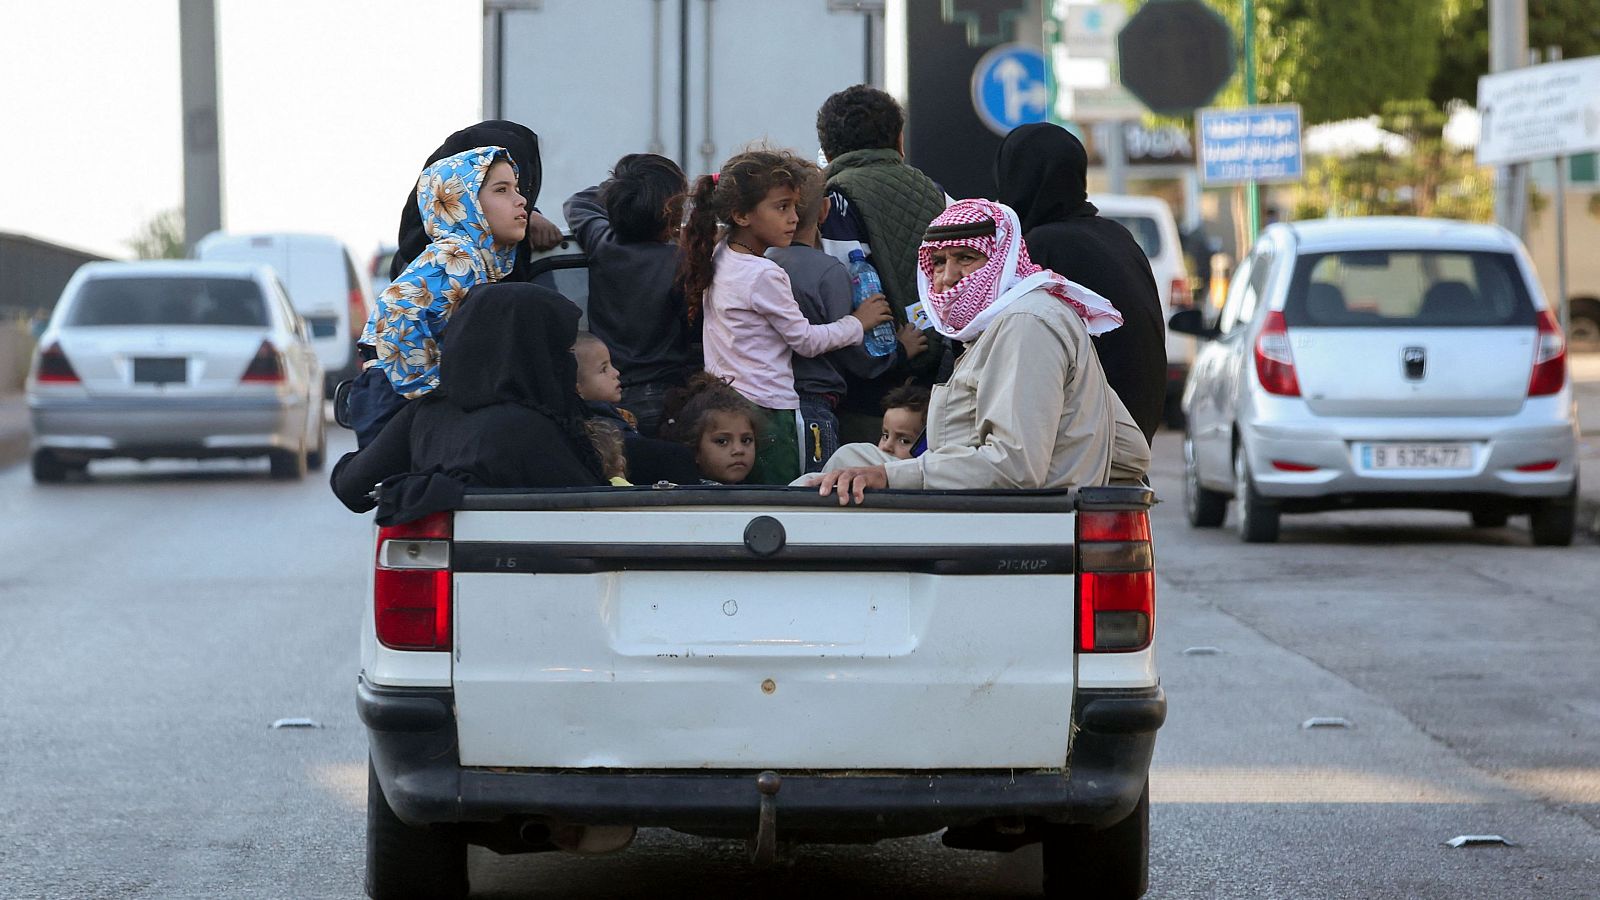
(322, 283)
(1150, 220)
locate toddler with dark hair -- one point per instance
(628, 227)
(905, 422)
(719, 425)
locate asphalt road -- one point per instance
(158, 618)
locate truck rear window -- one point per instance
(234, 302)
(1407, 289)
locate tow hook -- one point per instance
(764, 849)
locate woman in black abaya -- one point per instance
(1042, 170)
(507, 414)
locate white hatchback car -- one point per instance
(175, 359)
(1382, 362)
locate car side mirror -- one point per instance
(1193, 321)
(341, 404)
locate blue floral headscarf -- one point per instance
(411, 313)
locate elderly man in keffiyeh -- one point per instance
(1027, 405)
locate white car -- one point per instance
(322, 285)
(1149, 220)
(175, 359)
(1382, 362)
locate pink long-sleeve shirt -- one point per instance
(753, 328)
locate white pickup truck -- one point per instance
(553, 670)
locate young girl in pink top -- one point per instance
(753, 326)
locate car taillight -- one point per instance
(1549, 358)
(1182, 297)
(358, 313)
(411, 584)
(1116, 581)
(266, 367)
(54, 367)
(1274, 360)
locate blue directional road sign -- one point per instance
(1255, 143)
(1008, 87)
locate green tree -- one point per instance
(161, 237)
(1429, 179)
(1572, 25)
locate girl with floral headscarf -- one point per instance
(1027, 405)
(475, 217)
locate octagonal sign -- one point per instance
(1175, 55)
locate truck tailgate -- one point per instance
(683, 638)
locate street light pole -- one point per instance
(202, 127)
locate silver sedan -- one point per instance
(175, 359)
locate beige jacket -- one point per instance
(1028, 406)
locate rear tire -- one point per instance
(48, 468)
(407, 863)
(1489, 518)
(287, 465)
(1205, 508)
(1258, 517)
(1554, 521)
(319, 454)
(1112, 862)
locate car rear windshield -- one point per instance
(1145, 231)
(233, 302)
(1407, 289)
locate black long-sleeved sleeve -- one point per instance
(388, 455)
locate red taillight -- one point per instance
(1548, 465)
(1283, 465)
(1549, 358)
(1274, 361)
(358, 313)
(1116, 583)
(266, 367)
(54, 367)
(411, 584)
(1182, 297)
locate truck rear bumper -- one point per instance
(413, 745)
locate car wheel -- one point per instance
(48, 468)
(1554, 521)
(287, 465)
(1489, 518)
(405, 862)
(1258, 517)
(318, 454)
(1110, 862)
(1205, 508)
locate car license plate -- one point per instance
(1416, 456)
(160, 370)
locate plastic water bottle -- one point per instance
(864, 283)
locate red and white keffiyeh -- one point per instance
(965, 310)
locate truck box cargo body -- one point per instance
(553, 670)
(693, 80)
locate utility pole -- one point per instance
(1252, 198)
(1508, 49)
(202, 127)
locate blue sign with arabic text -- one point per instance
(1255, 143)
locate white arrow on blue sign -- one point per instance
(1008, 87)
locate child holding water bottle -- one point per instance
(823, 289)
(753, 326)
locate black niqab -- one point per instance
(506, 414)
(1042, 171)
(523, 145)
